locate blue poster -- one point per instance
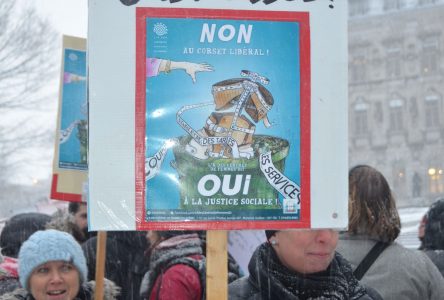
(222, 118)
(73, 141)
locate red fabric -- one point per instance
(10, 266)
(180, 282)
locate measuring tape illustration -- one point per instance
(66, 133)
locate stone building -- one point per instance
(396, 89)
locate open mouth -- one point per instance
(56, 292)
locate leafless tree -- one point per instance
(28, 61)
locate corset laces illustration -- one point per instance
(227, 132)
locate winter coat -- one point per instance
(437, 257)
(18, 229)
(234, 271)
(8, 274)
(177, 270)
(8, 284)
(269, 279)
(86, 292)
(125, 263)
(398, 273)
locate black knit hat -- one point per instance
(18, 229)
(270, 233)
(434, 228)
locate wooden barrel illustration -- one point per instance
(218, 124)
(192, 171)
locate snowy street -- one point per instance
(410, 218)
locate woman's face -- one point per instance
(55, 280)
(421, 228)
(306, 251)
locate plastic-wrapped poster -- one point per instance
(70, 160)
(219, 114)
(73, 141)
(226, 122)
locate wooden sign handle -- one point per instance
(100, 265)
(217, 266)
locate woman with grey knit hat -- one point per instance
(52, 266)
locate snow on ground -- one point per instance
(410, 218)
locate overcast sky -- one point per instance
(69, 17)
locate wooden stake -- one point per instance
(217, 266)
(100, 264)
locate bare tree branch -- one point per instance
(28, 62)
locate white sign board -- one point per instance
(217, 114)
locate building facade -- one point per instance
(396, 89)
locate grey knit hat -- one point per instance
(50, 245)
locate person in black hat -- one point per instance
(18, 229)
(433, 241)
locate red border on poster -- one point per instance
(62, 196)
(305, 110)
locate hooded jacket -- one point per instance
(177, 270)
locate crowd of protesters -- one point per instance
(395, 272)
(54, 257)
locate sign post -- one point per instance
(70, 167)
(100, 265)
(217, 272)
(217, 115)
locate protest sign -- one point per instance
(217, 115)
(70, 164)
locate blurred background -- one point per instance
(30, 60)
